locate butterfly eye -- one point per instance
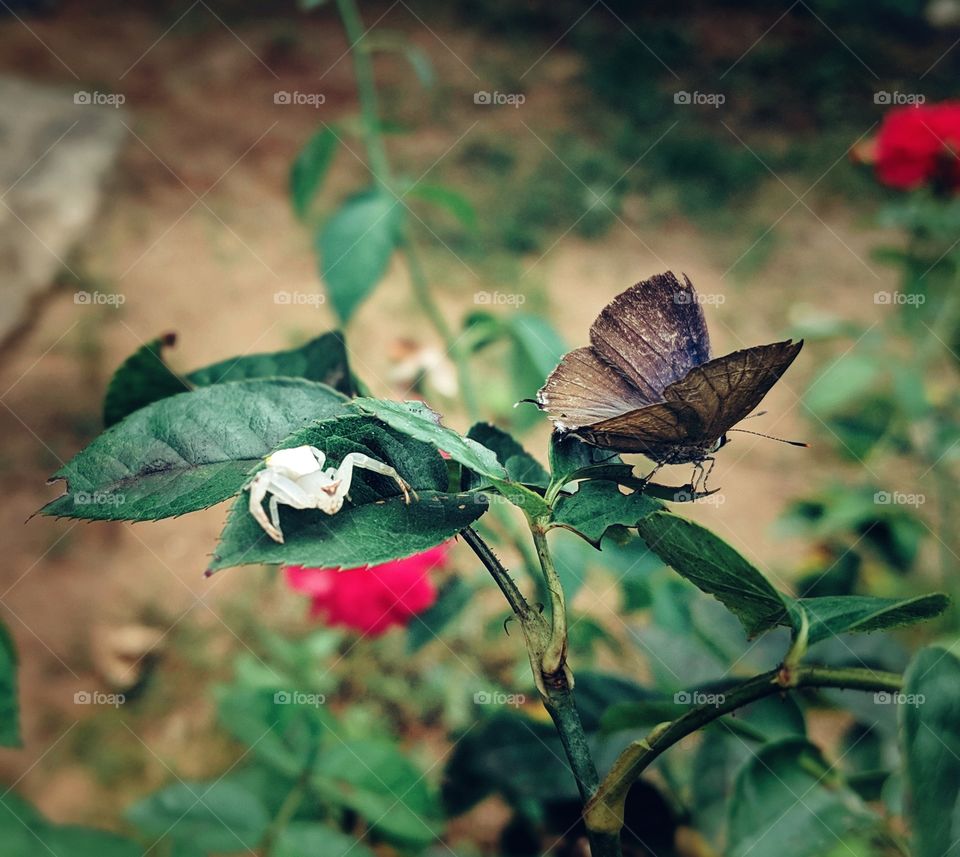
(722, 441)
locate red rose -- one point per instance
(371, 600)
(919, 146)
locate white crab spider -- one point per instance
(296, 478)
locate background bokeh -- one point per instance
(619, 140)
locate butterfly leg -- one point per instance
(646, 479)
(705, 472)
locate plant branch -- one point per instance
(556, 686)
(367, 92)
(556, 655)
(604, 812)
(518, 603)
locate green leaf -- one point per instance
(310, 169)
(451, 601)
(930, 734)
(416, 420)
(285, 736)
(355, 247)
(520, 465)
(569, 454)
(24, 832)
(141, 379)
(455, 202)
(376, 780)
(538, 344)
(507, 753)
(75, 841)
(376, 525)
(421, 65)
(716, 568)
(787, 802)
(9, 709)
(846, 614)
(188, 451)
(145, 378)
(597, 506)
(308, 838)
(217, 816)
(536, 349)
(322, 359)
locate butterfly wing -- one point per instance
(699, 408)
(654, 333)
(583, 390)
(725, 390)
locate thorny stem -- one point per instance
(555, 687)
(518, 603)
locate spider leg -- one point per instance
(358, 459)
(281, 489)
(274, 505)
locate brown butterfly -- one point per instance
(647, 384)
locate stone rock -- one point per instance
(56, 149)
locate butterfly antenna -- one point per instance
(771, 437)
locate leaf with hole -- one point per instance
(597, 506)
